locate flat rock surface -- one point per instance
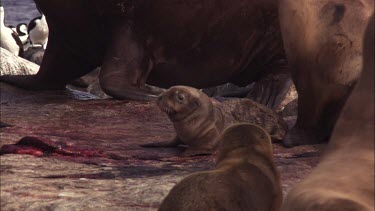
(119, 175)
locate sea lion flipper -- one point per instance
(163, 144)
(63, 62)
(124, 71)
(272, 89)
(154, 90)
(193, 151)
(30, 82)
(297, 136)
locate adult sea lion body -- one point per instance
(245, 177)
(199, 120)
(161, 43)
(323, 44)
(344, 180)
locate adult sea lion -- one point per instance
(245, 177)
(344, 180)
(160, 42)
(323, 44)
(199, 120)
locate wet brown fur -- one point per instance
(245, 177)
(199, 120)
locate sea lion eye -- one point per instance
(180, 97)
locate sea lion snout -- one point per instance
(163, 104)
(175, 101)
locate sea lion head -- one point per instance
(244, 136)
(183, 102)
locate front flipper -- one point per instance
(298, 136)
(66, 58)
(165, 144)
(126, 66)
(154, 89)
(192, 151)
(205, 145)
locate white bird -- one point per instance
(38, 31)
(9, 38)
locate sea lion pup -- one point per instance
(245, 177)
(344, 179)
(199, 119)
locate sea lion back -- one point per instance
(245, 177)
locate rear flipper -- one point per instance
(272, 89)
(65, 59)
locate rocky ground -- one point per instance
(85, 154)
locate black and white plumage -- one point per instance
(22, 32)
(22, 29)
(23, 35)
(9, 38)
(38, 31)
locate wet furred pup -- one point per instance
(245, 177)
(199, 119)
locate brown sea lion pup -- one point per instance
(199, 119)
(344, 179)
(245, 177)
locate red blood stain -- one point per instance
(43, 147)
(26, 150)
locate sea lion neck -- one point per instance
(230, 156)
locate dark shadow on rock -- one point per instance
(131, 171)
(3, 124)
